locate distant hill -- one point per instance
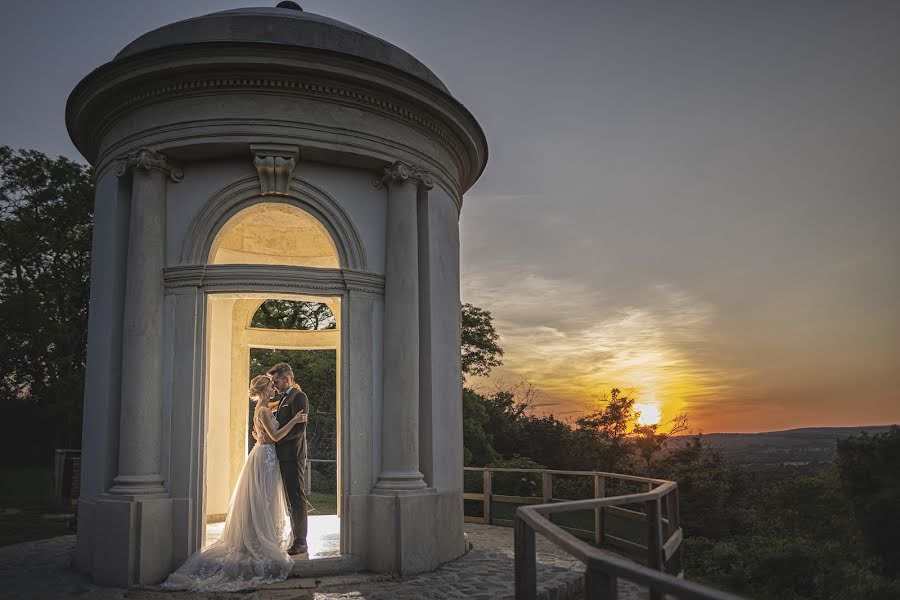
(792, 446)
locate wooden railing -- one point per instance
(309, 462)
(661, 553)
(599, 533)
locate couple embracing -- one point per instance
(255, 546)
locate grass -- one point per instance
(326, 504)
(27, 509)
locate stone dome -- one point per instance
(281, 27)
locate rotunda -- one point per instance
(270, 153)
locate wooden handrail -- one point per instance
(659, 513)
(560, 472)
(602, 568)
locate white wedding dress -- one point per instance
(253, 547)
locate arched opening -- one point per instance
(273, 233)
(247, 333)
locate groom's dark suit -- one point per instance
(291, 451)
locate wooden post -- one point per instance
(525, 560)
(673, 566)
(307, 485)
(654, 544)
(599, 585)
(547, 481)
(59, 468)
(672, 508)
(599, 492)
(486, 477)
(547, 491)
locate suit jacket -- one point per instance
(292, 447)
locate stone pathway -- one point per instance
(41, 570)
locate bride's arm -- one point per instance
(268, 423)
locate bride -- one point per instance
(253, 546)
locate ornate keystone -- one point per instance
(275, 166)
(403, 172)
(148, 160)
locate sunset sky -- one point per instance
(696, 202)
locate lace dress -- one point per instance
(253, 547)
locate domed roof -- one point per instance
(289, 26)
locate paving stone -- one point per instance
(42, 570)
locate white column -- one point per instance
(142, 336)
(400, 406)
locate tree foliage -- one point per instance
(45, 240)
(869, 469)
(778, 533)
(292, 314)
(823, 534)
(481, 349)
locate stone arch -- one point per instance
(245, 193)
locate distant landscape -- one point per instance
(792, 447)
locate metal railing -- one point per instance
(603, 569)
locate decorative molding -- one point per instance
(401, 172)
(326, 90)
(370, 148)
(244, 193)
(273, 278)
(275, 166)
(148, 160)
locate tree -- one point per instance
(291, 314)
(478, 448)
(45, 242)
(606, 429)
(650, 441)
(481, 349)
(870, 477)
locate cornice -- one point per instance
(269, 278)
(119, 87)
(210, 131)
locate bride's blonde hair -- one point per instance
(258, 384)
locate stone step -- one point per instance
(325, 567)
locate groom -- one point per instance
(291, 451)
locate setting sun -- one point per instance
(648, 414)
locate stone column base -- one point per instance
(125, 541)
(414, 532)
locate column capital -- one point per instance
(148, 160)
(401, 172)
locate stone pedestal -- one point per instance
(415, 531)
(132, 539)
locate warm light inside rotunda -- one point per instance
(273, 233)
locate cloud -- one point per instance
(574, 343)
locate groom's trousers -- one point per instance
(293, 474)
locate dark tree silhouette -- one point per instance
(45, 241)
(481, 349)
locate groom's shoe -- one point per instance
(298, 548)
